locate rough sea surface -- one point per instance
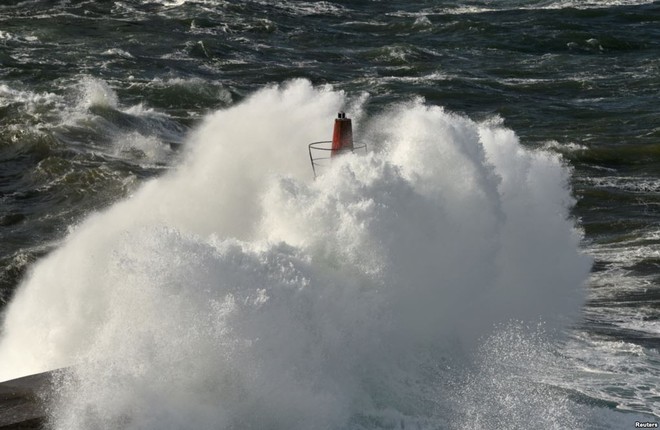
(492, 262)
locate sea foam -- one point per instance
(238, 292)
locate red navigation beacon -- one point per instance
(320, 153)
(342, 136)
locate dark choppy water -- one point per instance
(97, 97)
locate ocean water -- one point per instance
(492, 261)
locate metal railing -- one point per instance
(321, 152)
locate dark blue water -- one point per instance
(98, 97)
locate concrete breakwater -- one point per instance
(22, 401)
